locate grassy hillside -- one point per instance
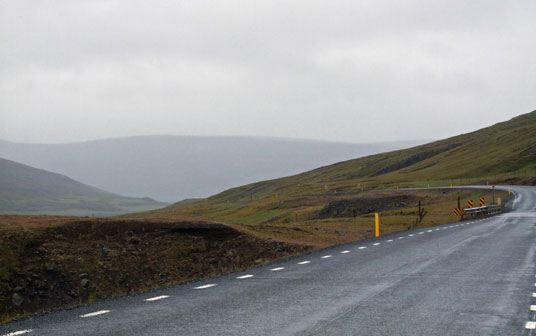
(500, 152)
(26, 190)
(505, 152)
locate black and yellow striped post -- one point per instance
(469, 203)
(459, 212)
(482, 201)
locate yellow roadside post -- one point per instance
(499, 201)
(428, 185)
(377, 221)
(509, 191)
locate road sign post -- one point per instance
(377, 223)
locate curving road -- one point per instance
(471, 278)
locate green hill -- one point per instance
(27, 190)
(505, 152)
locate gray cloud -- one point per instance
(338, 70)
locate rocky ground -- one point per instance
(61, 262)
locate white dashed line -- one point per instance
(429, 231)
(100, 312)
(376, 244)
(445, 228)
(344, 252)
(156, 298)
(533, 307)
(303, 262)
(451, 226)
(20, 332)
(361, 247)
(390, 240)
(277, 269)
(245, 276)
(530, 325)
(205, 286)
(400, 237)
(437, 229)
(422, 232)
(411, 235)
(326, 256)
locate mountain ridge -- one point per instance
(28, 190)
(171, 168)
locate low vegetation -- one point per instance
(322, 220)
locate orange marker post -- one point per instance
(377, 222)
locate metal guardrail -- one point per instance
(484, 210)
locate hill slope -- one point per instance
(505, 151)
(26, 190)
(502, 150)
(171, 168)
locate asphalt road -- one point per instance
(471, 278)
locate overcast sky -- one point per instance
(353, 71)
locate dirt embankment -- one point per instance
(361, 206)
(84, 260)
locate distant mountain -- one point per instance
(172, 168)
(26, 190)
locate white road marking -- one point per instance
(445, 228)
(400, 237)
(361, 247)
(20, 332)
(451, 226)
(390, 240)
(326, 256)
(277, 269)
(245, 276)
(411, 235)
(533, 307)
(437, 229)
(205, 286)
(429, 230)
(100, 312)
(303, 262)
(530, 325)
(533, 294)
(156, 298)
(422, 232)
(376, 244)
(343, 252)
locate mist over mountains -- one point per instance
(172, 168)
